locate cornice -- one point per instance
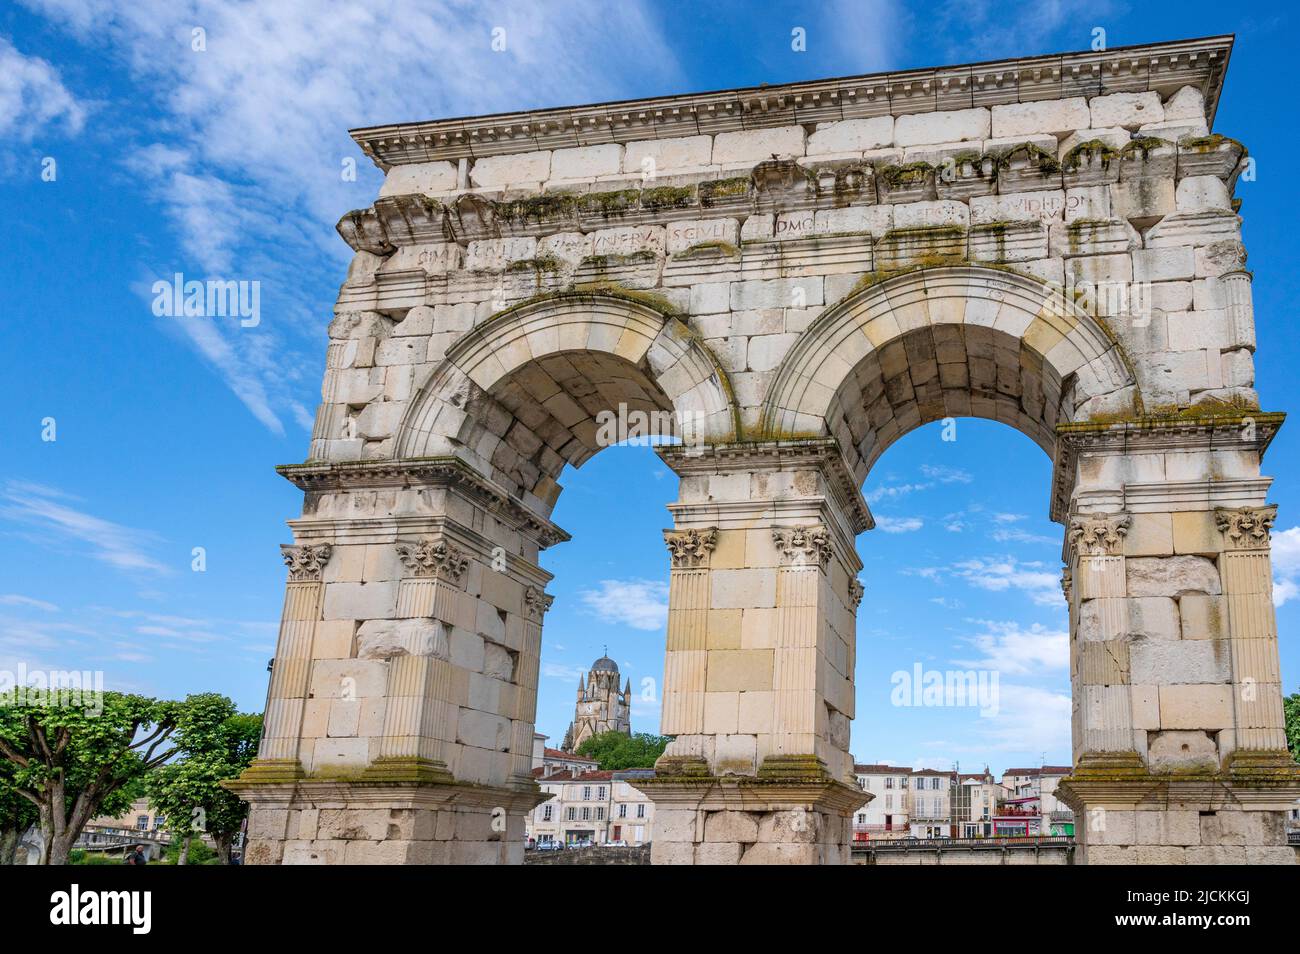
(1163, 67)
(319, 477)
(823, 453)
(1253, 430)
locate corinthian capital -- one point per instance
(690, 548)
(856, 591)
(1246, 528)
(1098, 534)
(536, 603)
(305, 563)
(802, 546)
(433, 558)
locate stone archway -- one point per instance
(797, 275)
(947, 342)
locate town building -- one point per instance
(590, 808)
(886, 815)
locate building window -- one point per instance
(142, 822)
(600, 814)
(889, 782)
(889, 803)
(546, 812)
(586, 793)
(640, 810)
(600, 793)
(622, 810)
(573, 813)
(862, 819)
(586, 813)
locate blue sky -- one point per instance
(226, 162)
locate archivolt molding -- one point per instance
(633, 328)
(1077, 348)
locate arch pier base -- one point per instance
(758, 684)
(1179, 738)
(399, 720)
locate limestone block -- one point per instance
(943, 212)
(652, 157)
(1213, 260)
(495, 254)
(1047, 206)
(360, 600)
(709, 298)
(483, 730)
(1100, 270)
(1058, 117)
(684, 235)
(776, 293)
(1196, 706)
(739, 670)
(1201, 616)
(852, 135)
(1154, 617)
(721, 713)
(414, 177)
(1195, 532)
(730, 826)
(1179, 751)
(1150, 534)
(1168, 827)
(1087, 202)
(570, 247)
(1142, 200)
(1114, 138)
(874, 219)
(1187, 103)
(766, 352)
(1145, 703)
(737, 754)
(918, 129)
(625, 240)
(1196, 330)
(1199, 193)
(587, 162)
(1163, 264)
(1126, 109)
(385, 638)
(1171, 576)
(523, 169)
(758, 145)
(466, 648)
(718, 853)
(1167, 662)
(400, 351)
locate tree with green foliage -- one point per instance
(214, 742)
(72, 759)
(1291, 711)
(614, 750)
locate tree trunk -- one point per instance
(184, 856)
(9, 845)
(59, 848)
(222, 843)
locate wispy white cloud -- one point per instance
(15, 599)
(641, 604)
(56, 521)
(1015, 649)
(1000, 574)
(899, 524)
(33, 99)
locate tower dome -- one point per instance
(604, 664)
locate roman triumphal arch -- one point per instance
(796, 276)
